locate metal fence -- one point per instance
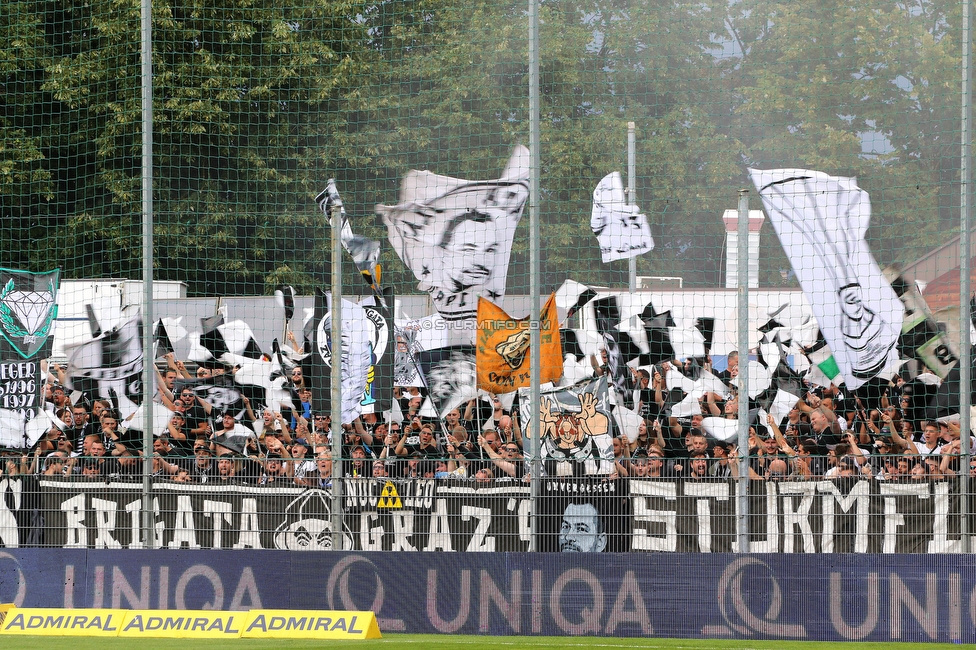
(233, 151)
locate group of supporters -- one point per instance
(829, 433)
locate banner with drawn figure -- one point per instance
(456, 235)
(620, 228)
(503, 354)
(575, 428)
(821, 221)
(28, 307)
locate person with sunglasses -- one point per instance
(508, 459)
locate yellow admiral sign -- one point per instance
(190, 624)
(62, 622)
(183, 624)
(310, 624)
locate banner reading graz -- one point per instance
(585, 514)
(421, 515)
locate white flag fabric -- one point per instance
(720, 428)
(821, 221)
(456, 235)
(620, 228)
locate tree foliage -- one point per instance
(257, 102)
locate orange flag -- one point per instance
(503, 348)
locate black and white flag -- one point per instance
(365, 252)
(620, 228)
(110, 366)
(355, 328)
(821, 221)
(28, 307)
(167, 331)
(285, 297)
(456, 235)
(570, 298)
(450, 375)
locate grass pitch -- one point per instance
(449, 642)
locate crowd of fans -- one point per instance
(828, 434)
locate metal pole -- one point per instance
(534, 272)
(336, 395)
(632, 193)
(965, 210)
(742, 246)
(148, 372)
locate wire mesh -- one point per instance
(405, 124)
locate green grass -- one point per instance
(448, 642)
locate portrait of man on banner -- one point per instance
(821, 221)
(575, 429)
(456, 235)
(585, 515)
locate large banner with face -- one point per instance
(456, 235)
(584, 514)
(821, 221)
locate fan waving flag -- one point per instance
(503, 348)
(456, 235)
(620, 228)
(821, 221)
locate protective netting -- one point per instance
(408, 124)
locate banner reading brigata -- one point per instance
(583, 514)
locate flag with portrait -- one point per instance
(456, 235)
(450, 376)
(821, 221)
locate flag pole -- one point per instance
(632, 195)
(148, 374)
(335, 345)
(965, 317)
(534, 269)
(742, 253)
